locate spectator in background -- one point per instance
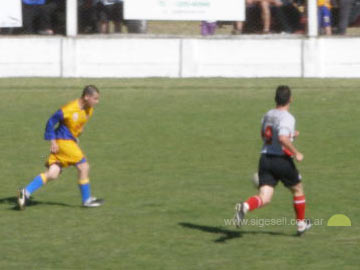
(281, 13)
(87, 17)
(109, 10)
(290, 17)
(344, 15)
(265, 15)
(37, 16)
(58, 15)
(286, 16)
(238, 26)
(324, 14)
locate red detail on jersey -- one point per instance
(287, 151)
(268, 134)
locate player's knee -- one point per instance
(265, 199)
(266, 193)
(53, 172)
(297, 190)
(84, 167)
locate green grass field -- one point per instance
(171, 157)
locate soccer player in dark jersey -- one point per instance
(62, 130)
(276, 161)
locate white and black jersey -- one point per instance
(275, 162)
(276, 123)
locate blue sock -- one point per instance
(85, 191)
(35, 184)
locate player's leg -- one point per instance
(292, 180)
(40, 180)
(266, 193)
(84, 185)
(263, 198)
(299, 201)
(299, 207)
(267, 182)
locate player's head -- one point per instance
(90, 95)
(283, 95)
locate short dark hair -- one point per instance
(282, 96)
(89, 90)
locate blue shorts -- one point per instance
(324, 14)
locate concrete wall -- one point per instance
(179, 57)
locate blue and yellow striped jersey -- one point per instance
(71, 120)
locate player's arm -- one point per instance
(287, 144)
(50, 130)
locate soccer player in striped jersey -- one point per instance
(62, 130)
(276, 161)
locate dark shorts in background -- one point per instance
(273, 169)
(106, 13)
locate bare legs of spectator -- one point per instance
(265, 11)
(117, 27)
(327, 30)
(237, 27)
(265, 16)
(104, 27)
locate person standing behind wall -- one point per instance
(109, 10)
(324, 16)
(37, 17)
(113, 10)
(344, 15)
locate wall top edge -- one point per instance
(181, 37)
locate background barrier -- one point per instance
(179, 57)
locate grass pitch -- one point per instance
(171, 157)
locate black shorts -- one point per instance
(273, 169)
(106, 13)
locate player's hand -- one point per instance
(297, 133)
(299, 157)
(54, 148)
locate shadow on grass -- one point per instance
(13, 202)
(225, 233)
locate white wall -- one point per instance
(30, 57)
(127, 57)
(241, 58)
(178, 57)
